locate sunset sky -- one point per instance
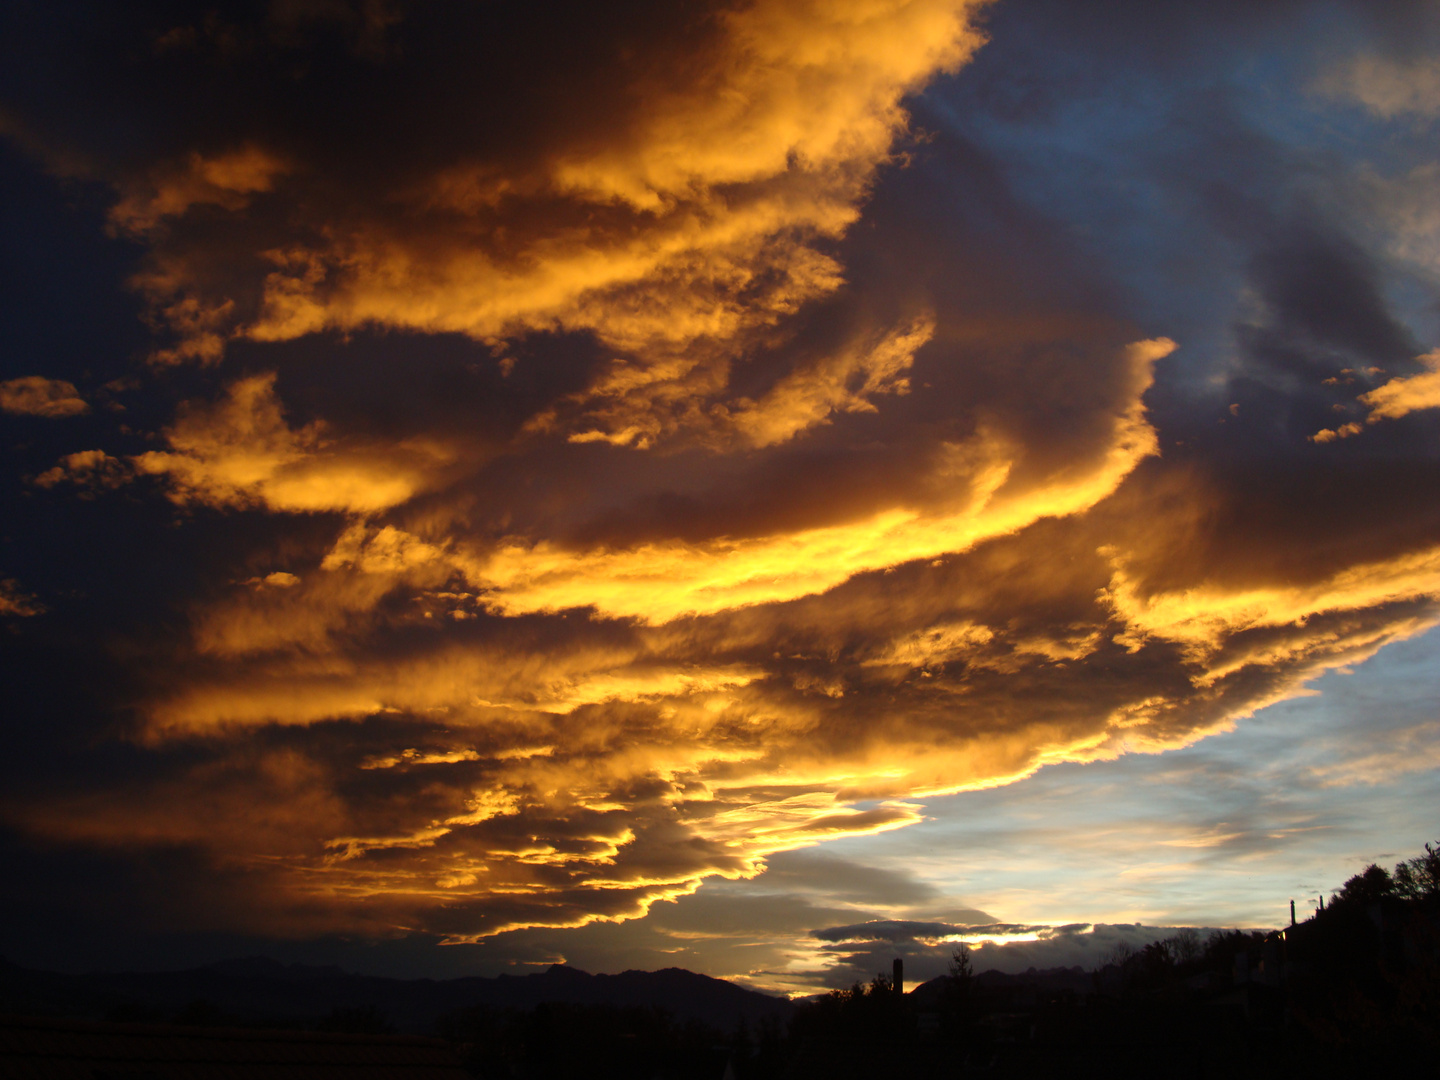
(760, 487)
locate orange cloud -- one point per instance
(694, 218)
(1344, 431)
(585, 773)
(16, 601)
(1400, 397)
(227, 180)
(1203, 618)
(657, 582)
(34, 395)
(1393, 399)
(844, 382)
(90, 469)
(766, 556)
(240, 452)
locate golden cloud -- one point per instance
(766, 559)
(583, 775)
(698, 746)
(240, 452)
(696, 218)
(842, 382)
(1399, 397)
(658, 582)
(1393, 399)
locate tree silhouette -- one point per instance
(1367, 887)
(961, 971)
(1119, 954)
(959, 996)
(1419, 878)
(1185, 946)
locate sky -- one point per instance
(758, 487)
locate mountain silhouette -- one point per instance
(256, 990)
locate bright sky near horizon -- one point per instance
(761, 487)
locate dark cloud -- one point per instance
(1326, 293)
(814, 873)
(887, 930)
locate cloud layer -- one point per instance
(602, 454)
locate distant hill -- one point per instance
(1050, 980)
(258, 990)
